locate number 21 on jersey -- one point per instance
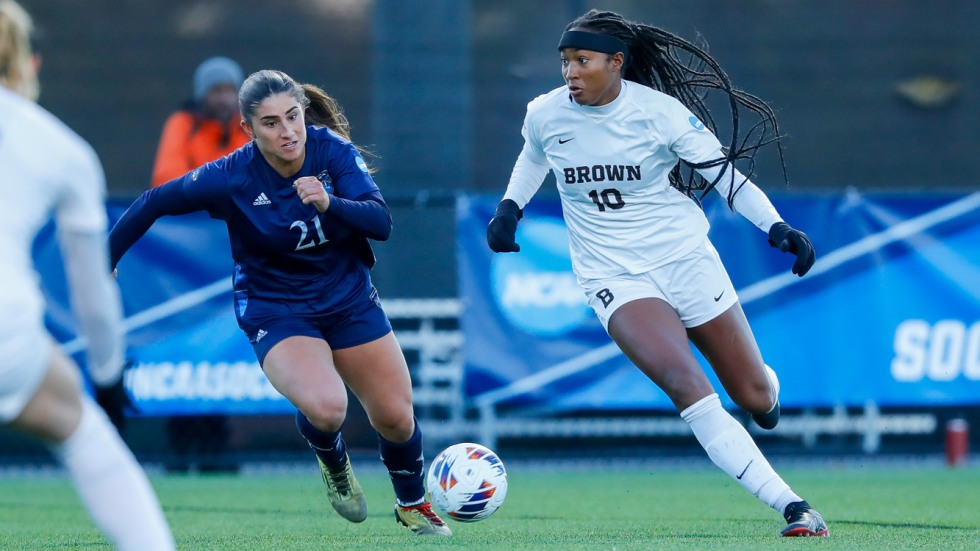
(314, 240)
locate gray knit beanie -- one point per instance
(214, 71)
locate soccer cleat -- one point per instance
(422, 520)
(767, 420)
(803, 521)
(344, 492)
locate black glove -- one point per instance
(116, 402)
(786, 239)
(502, 230)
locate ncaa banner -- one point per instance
(189, 355)
(889, 313)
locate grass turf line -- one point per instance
(866, 507)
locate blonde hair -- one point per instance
(17, 71)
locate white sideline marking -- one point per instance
(160, 311)
(553, 373)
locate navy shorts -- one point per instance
(268, 323)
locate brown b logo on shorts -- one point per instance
(605, 296)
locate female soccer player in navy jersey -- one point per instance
(300, 206)
(632, 109)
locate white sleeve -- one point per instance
(692, 141)
(81, 205)
(749, 200)
(531, 166)
(686, 135)
(528, 175)
(95, 301)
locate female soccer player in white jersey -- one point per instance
(614, 135)
(300, 206)
(47, 170)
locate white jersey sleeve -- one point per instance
(530, 169)
(82, 224)
(81, 203)
(47, 171)
(95, 300)
(749, 200)
(686, 135)
(694, 144)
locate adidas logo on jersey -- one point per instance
(262, 332)
(261, 200)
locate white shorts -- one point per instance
(25, 351)
(696, 285)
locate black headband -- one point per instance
(595, 42)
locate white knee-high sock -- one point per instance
(731, 448)
(111, 484)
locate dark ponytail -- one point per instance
(323, 110)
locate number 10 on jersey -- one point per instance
(607, 198)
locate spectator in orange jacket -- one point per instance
(208, 127)
(205, 129)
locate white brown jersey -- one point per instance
(611, 165)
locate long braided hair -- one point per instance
(674, 66)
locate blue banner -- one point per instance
(890, 312)
(190, 356)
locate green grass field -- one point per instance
(872, 505)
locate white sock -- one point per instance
(111, 485)
(731, 448)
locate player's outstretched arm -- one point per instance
(166, 200)
(98, 308)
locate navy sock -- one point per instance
(328, 446)
(404, 462)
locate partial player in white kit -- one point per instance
(614, 137)
(47, 170)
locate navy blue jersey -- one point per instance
(284, 251)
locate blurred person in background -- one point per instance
(46, 170)
(300, 206)
(631, 109)
(207, 127)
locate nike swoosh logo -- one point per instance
(717, 298)
(565, 141)
(739, 477)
